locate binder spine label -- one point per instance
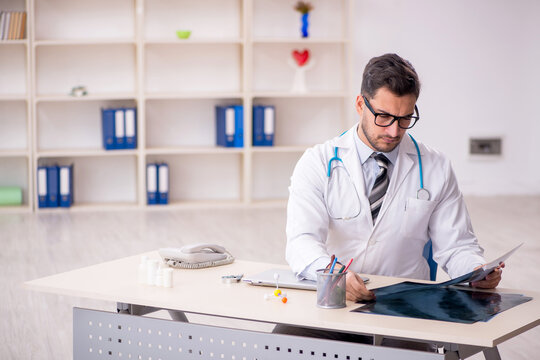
(163, 177)
(64, 181)
(229, 124)
(269, 121)
(151, 183)
(131, 129)
(119, 128)
(42, 182)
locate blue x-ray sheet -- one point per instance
(454, 304)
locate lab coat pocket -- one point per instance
(416, 218)
(342, 200)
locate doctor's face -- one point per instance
(383, 139)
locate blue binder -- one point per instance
(239, 126)
(163, 184)
(107, 122)
(269, 125)
(66, 185)
(42, 186)
(130, 117)
(225, 126)
(258, 125)
(53, 186)
(152, 184)
(119, 129)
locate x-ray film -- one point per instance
(454, 304)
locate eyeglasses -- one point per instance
(385, 120)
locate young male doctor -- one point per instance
(364, 194)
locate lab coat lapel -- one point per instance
(402, 167)
(351, 161)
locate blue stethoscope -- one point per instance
(421, 194)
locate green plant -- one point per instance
(303, 7)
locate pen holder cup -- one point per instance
(331, 289)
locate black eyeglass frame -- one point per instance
(414, 119)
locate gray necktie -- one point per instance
(380, 186)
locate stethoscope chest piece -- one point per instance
(423, 194)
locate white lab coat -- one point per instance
(393, 245)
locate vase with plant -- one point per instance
(304, 8)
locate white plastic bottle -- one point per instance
(143, 268)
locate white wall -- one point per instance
(479, 62)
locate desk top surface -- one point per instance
(202, 291)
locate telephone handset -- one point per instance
(196, 256)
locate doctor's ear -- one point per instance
(359, 104)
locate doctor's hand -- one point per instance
(356, 289)
(491, 280)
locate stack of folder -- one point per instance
(230, 126)
(119, 127)
(12, 25)
(157, 183)
(55, 186)
(263, 125)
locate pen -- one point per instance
(333, 265)
(344, 269)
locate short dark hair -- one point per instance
(390, 71)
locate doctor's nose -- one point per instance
(393, 130)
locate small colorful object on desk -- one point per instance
(277, 293)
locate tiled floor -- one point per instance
(38, 326)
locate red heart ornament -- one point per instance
(301, 57)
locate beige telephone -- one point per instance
(196, 256)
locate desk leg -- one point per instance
(492, 353)
(456, 352)
(132, 309)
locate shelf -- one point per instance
(13, 97)
(84, 153)
(192, 41)
(202, 204)
(13, 153)
(92, 207)
(126, 53)
(285, 94)
(102, 41)
(89, 97)
(294, 41)
(193, 95)
(18, 209)
(279, 149)
(14, 42)
(193, 150)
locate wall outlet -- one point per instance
(485, 146)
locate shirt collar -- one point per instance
(364, 151)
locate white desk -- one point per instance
(202, 291)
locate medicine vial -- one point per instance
(143, 266)
(152, 271)
(167, 277)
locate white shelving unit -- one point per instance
(126, 53)
(15, 113)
